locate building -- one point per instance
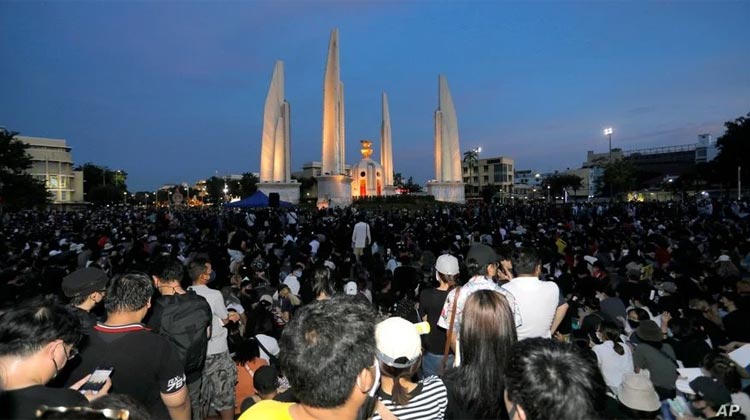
(527, 183)
(315, 169)
(495, 171)
(589, 177)
(52, 163)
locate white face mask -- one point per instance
(376, 384)
(298, 273)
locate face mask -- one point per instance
(298, 273)
(599, 337)
(633, 323)
(212, 277)
(367, 409)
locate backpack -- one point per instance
(184, 321)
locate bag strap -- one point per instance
(449, 335)
(262, 347)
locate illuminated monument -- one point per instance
(447, 185)
(275, 162)
(334, 185)
(367, 175)
(386, 152)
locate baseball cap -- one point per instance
(447, 264)
(83, 282)
(710, 389)
(398, 343)
(350, 288)
(482, 254)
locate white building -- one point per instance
(53, 165)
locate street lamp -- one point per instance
(226, 190)
(125, 197)
(477, 150)
(608, 132)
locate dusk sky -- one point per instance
(174, 91)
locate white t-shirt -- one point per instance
(613, 365)
(537, 300)
(218, 342)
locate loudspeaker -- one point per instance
(273, 199)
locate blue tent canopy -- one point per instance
(256, 200)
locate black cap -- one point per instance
(83, 282)
(711, 390)
(482, 254)
(266, 379)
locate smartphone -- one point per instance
(97, 380)
(652, 295)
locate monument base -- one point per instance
(288, 191)
(334, 191)
(448, 192)
(389, 190)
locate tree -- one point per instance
(18, 189)
(398, 179)
(248, 184)
(734, 151)
(215, 189)
(488, 192)
(412, 187)
(619, 177)
(471, 158)
(102, 185)
(558, 183)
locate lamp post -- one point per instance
(226, 190)
(125, 197)
(477, 151)
(608, 132)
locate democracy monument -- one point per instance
(367, 178)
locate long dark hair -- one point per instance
(399, 394)
(610, 332)
(487, 335)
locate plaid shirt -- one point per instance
(473, 285)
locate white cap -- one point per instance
(398, 343)
(447, 264)
(350, 288)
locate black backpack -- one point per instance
(184, 321)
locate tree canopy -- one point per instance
(734, 151)
(18, 189)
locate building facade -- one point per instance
(495, 171)
(52, 163)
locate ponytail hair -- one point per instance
(610, 332)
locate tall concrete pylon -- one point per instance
(333, 112)
(275, 153)
(448, 184)
(386, 151)
(334, 185)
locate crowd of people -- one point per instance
(521, 311)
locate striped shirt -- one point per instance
(429, 401)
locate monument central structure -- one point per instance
(334, 185)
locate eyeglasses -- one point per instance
(72, 353)
(45, 412)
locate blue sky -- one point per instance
(173, 91)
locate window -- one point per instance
(63, 196)
(53, 181)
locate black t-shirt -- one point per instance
(23, 403)
(737, 327)
(431, 303)
(145, 364)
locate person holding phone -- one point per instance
(37, 339)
